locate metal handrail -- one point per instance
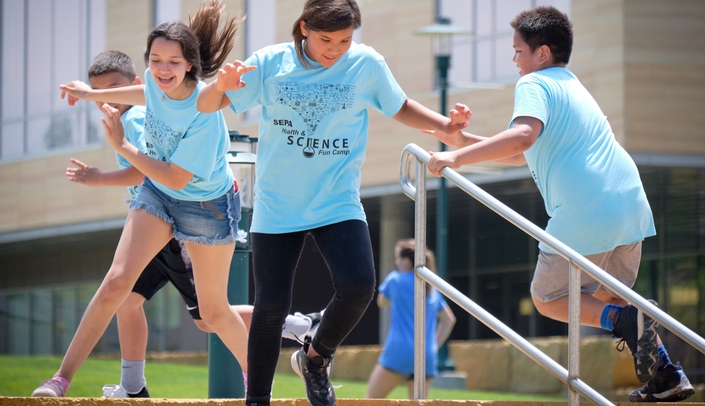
(411, 154)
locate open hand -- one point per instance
(230, 76)
(83, 173)
(76, 91)
(114, 131)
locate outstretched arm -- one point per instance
(447, 130)
(166, 173)
(507, 147)
(92, 176)
(129, 95)
(212, 97)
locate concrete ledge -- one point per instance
(22, 401)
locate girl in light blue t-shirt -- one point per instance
(315, 94)
(188, 192)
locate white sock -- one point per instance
(132, 377)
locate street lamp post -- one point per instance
(441, 34)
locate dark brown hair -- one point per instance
(326, 16)
(203, 45)
(407, 249)
(112, 61)
(548, 26)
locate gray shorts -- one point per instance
(551, 276)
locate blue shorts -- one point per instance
(213, 222)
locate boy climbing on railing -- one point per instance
(592, 192)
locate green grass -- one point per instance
(19, 375)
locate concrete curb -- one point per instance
(28, 401)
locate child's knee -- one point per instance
(132, 305)
(203, 326)
(115, 288)
(541, 307)
(361, 293)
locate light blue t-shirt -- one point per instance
(176, 132)
(312, 133)
(133, 123)
(590, 184)
(398, 351)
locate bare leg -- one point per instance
(590, 309)
(381, 383)
(211, 264)
(410, 388)
(245, 312)
(142, 238)
(608, 298)
(132, 328)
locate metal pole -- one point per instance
(419, 284)
(573, 331)
(445, 363)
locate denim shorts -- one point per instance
(209, 223)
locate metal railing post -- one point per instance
(573, 330)
(420, 285)
(578, 264)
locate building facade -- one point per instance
(643, 61)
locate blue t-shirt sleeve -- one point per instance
(438, 301)
(386, 288)
(194, 153)
(530, 100)
(133, 126)
(384, 93)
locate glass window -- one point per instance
(44, 43)
(42, 321)
(486, 55)
(18, 323)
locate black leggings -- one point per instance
(347, 251)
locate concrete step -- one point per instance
(28, 401)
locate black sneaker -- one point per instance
(144, 393)
(668, 385)
(314, 372)
(639, 332)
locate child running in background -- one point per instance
(315, 94)
(115, 69)
(396, 362)
(592, 190)
(187, 193)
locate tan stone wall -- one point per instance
(665, 75)
(601, 366)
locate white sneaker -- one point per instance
(114, 391)
(295, 326)
(298, 326)
(117, 391)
